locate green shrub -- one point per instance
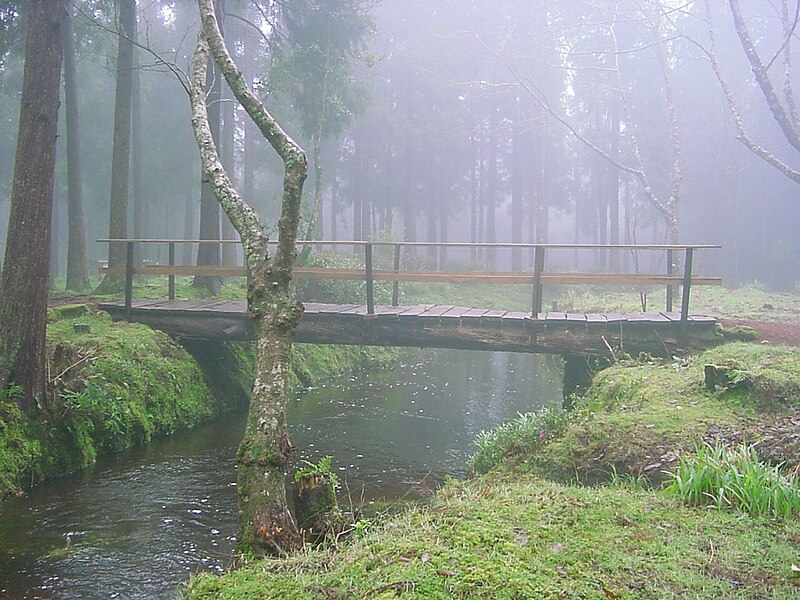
(736, 478)
(518, 437)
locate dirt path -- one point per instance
(770, 332)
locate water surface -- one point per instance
(138, 525)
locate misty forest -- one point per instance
(388, 298)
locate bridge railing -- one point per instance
(676, 273)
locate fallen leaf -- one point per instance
(556, 548)
(610, 594)
(560, 570)
(795, 570)
(425, 557)
(445, 572)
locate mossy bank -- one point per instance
(637, 419)
(116, 385)
(527, 526)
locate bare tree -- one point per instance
(266, 523)
(784, 112)
(652, 31)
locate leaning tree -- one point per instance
(265, 520)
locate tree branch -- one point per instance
(294, 159)
(786, 125)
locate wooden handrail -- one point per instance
(519, 245)
(369, 274)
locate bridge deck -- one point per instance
(429, 325)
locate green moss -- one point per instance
(522, 537)
(116, 385)
(639, 419)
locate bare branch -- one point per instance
(786, 125)
(294, 159)
(741, 131)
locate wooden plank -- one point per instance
(358, 310)
(702, 319)
(436, 310)
(493, 315)
(637, 317)
(614, 317)
(515, 316)
(475, 313)
(555, 316)
(672, 316)
(482, 277)
(657, 318)
(336, 309)
(149, 303)
(389, 311)
(596, 318)
(415, 311)
(455, 312)
(576, 317)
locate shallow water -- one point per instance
(138, 525)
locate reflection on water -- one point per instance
(138, 525)
(399, 431)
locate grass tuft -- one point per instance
(518, 437)
(736, 478)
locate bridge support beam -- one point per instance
(578, 373)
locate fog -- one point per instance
(465, 120)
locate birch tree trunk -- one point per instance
(266, 523)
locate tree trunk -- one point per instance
(264, 452)
(23, 284)
(77, 260)
(121, 147)
(209, 254)
(137, 182)
(267, 525)
(228, 156)
(517, 187)
(335, 206)
(189, 209)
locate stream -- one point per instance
(139, 524)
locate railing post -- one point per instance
(396, 283)
(687, 285)
(538, 267)
(370, 286)
(670, 271)
(128, 279)
(171, 276)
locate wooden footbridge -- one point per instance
(445, 326)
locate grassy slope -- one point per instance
(121, 384)
(514, 534)
(113, 386)
(520, 537)
(638, 419)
